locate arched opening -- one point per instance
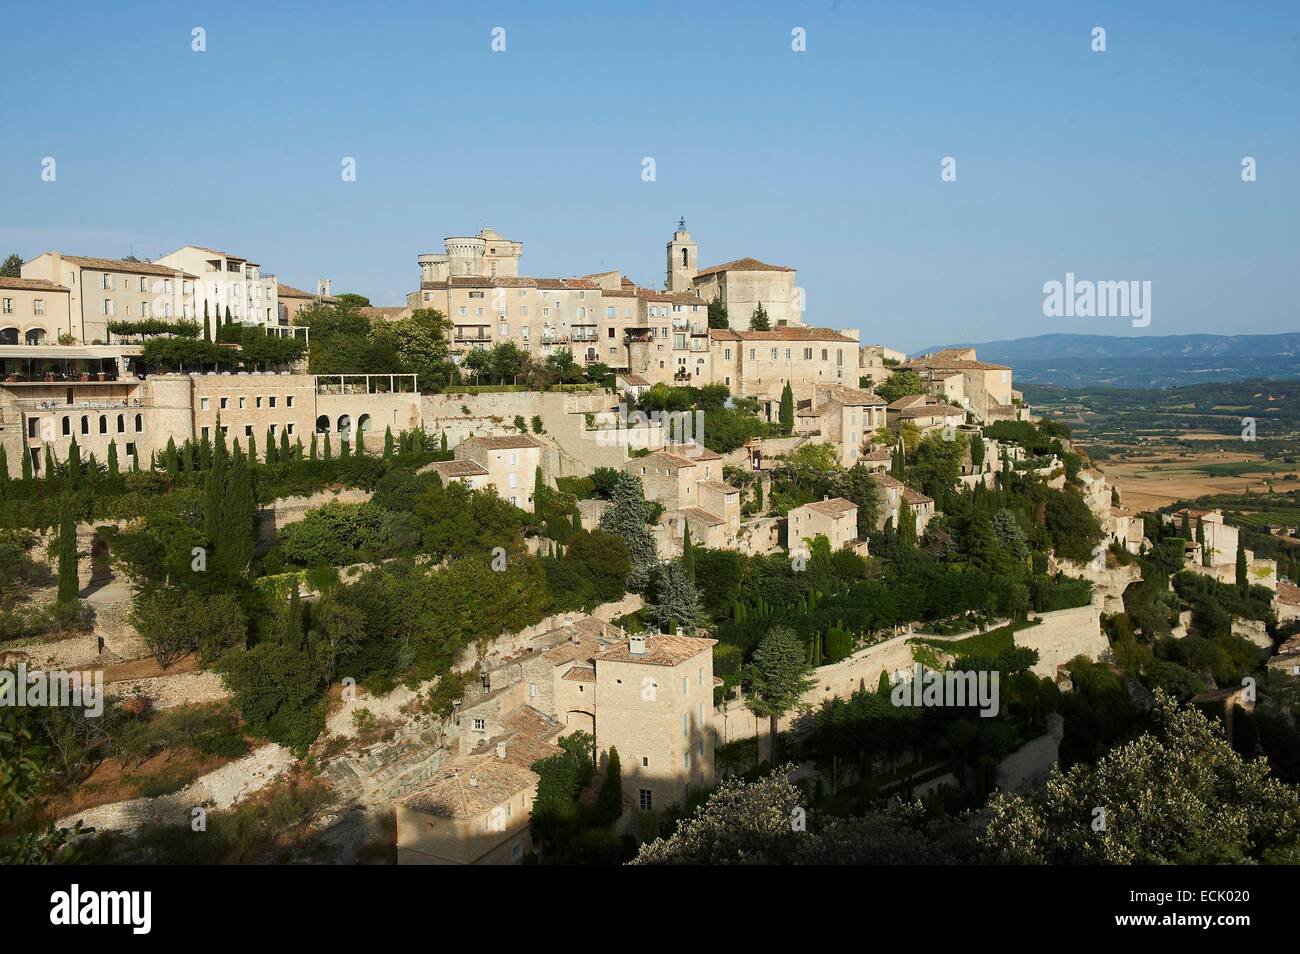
(139, 423)
(684, 263)
(323, 424)
(345, 423)
(576, 719)
(363, 422)
(103, 424)
(67, 426)
(36, 336)
(85, 424)
(8, 336)
(121, 423)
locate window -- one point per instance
(139, 423)
(103, 424)
(686, 724)
(243, 403)
(121, 423)
(480, 725)
(532, 690)
(106, 282)
(807, 354)
(259, 400)
(686, 760)
(645, 761)
(288, 428)
(248, 430)
(685, 686)
(108, 307)
(647, 800)
(85, 424)
(288, 400)
(38, 306)
(272, 400)
(8, 306)
(203, 404)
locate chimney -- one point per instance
(636, 645)
(473, 781)
(501, 750)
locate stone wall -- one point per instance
(1029, 765)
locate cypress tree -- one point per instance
(205, 451)
(284, 454)
(112, 458)
(27, 466)
(135, 460)
(4, 466)
(787, 408)
(345, 448)
(74, 461)
(1243, 582)
(1186, 531)
(328, 453)
(252, 449)
(538, 486)
(207, 328)
(688, 552)
(361, 443)
(214, 491)
(171, 462)
(271, 453)
(49, 463)
(297, 449)
(609, 798)
(758, 492)
(236, 547)
(68, 583)
(906, 524)
(444, 442)
(313, 445)
(388, 442)
(577, 519)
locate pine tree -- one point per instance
(609, 798)
(787, 408)
(112, 458)
(675, 605)
(69, 585)
(759, 321)
(388, 442)
(777, 677)
(626, 517)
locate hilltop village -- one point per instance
(530, 569)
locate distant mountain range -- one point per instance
(1070, 360)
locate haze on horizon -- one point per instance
(1122, 165)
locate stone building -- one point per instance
(692, 492)
(101, 290)
(222, 281)
(835, 518)
(845, 417)
(141, 414)
(33, 311)
(985, 390)
(510, 461)
(475, 810)
(895, 495)
(654, 703)
(759, 364)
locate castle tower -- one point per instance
(682, 260)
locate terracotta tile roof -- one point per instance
(119, 265)
(478, 782)
(701, 516)
(743, 265)
(780, 334)
(635, 380)
(910, 495)
(564, 283)
(876, 452)
(718, 486)
(908, 400)
(943, 360)
(453, 468)
(1288, 593)
(855, 397)
(502, 442)
(677, 460)
(678, 298)
(931, 410)
(661, 650)
(580, 674)
(31, 284)
(578, 641)
(835, 507)
(288, 291)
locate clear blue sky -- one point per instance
(1119, 165)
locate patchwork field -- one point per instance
(1151, 480)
